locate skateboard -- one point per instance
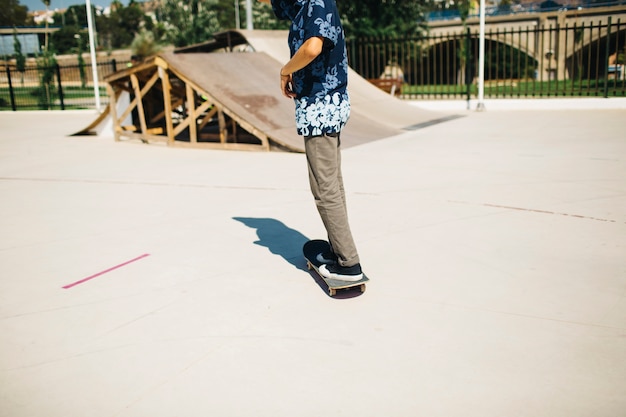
(314, 247)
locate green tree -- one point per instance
(80, 48)
(63, 41)
(120, 28)
(20, 59)
(74, 16)
(187, 23)
(385, 20)
(104, 27)
(46, 64)
(47, 4)
(12, 13)
(144, 45)
(263, 18)
(224, 11)
(129, 21)
(382, 17)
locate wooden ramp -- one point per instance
(374, 114)
(205, 100)
(208, 95)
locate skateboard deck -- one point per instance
(314, 247)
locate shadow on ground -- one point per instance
(278, 238)
(287, 243)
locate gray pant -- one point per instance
(324, 161)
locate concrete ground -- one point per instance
(495, 244)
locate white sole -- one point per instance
(329, 275)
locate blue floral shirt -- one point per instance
(322, 102)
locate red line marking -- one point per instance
(68, 286)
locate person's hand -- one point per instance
(286, 85)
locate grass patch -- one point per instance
(524, 89)
(27, 98)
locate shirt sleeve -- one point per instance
(322, 19)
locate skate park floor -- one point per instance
(144, 280)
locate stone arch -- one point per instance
(593, 49)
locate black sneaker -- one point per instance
(342, 273)
(326, 258)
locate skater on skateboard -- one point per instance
(316, 78)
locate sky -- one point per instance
(63, 4)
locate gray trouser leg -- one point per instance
(324, 162)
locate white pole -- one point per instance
(481, 59)
(249, 24)
(92, 50)
(237, 23)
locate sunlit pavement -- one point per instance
(142, 280)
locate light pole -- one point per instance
(237, 23)
(249, 24)
(92, 50)
(481, 59)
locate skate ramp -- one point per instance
(103, 125)
(244, 87)
(373, 110)
(374, 113)
(248, 85)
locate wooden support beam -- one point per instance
(201, 111)
(113, 110)
(207, 118)
(190, 120)
(167, 101)
(222, 126)
(139, 98)
(191, 113)
(265, 144)
(215, 145)
(144, 137)
(203, 107)
(160, 115)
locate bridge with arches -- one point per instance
(563, 44)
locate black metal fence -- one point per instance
(551, 61)
(57, 87)
(547, 61)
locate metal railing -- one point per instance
(53, 87)
(546, 61)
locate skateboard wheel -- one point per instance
(362, 287)
(309, 266)
(332, 292)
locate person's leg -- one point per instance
(324, 164)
